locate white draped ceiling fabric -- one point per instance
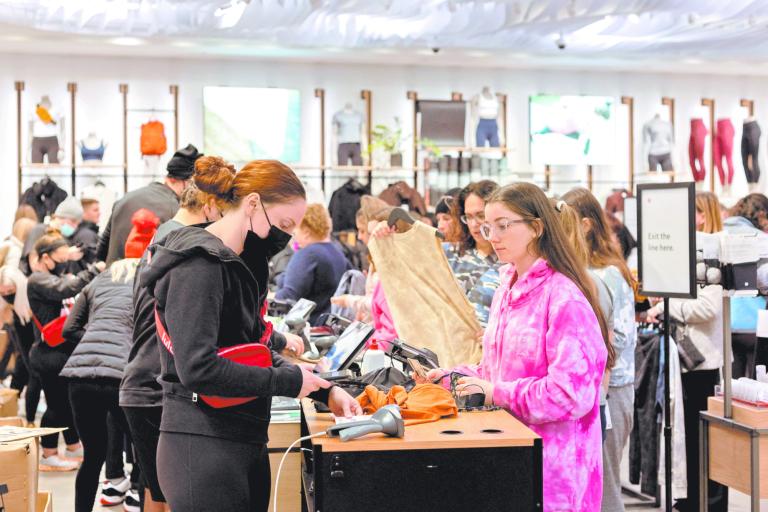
(613, 29)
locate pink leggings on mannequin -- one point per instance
(723, 147)
(696, 149)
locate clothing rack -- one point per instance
(72, 165)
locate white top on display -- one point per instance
(487, 106)
(348, 124)
(658, 136)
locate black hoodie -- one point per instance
(208, 298)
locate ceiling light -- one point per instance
(230, 14)
(127, 41)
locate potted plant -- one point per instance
(388, 140)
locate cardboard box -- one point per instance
(12, 421)
(18, 470)
(729, 449)
(44, 501)
(9, 402)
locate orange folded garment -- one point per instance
(424, 404)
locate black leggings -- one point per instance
(58, 412)
(22, 336)
(92, 400)
(750, 143)
(199, 473)
(697, 386)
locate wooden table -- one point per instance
(485, 461)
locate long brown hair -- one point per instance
(551, 244)
(603, 252)
(709, 205)
(754, 208)
(274, 181)
(482, 189)
(571, 222)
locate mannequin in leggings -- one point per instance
(210, 287)
(723, 148)
(696, 149)
(750, 143)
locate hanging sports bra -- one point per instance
(92, 153)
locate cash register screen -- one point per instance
(301, 310)
(348, 346)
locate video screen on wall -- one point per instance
(443, 122)
(249, 123)
(572, 130)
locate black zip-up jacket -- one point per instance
(140, 386)
(87, 236)
(45, 292)
(209, 298)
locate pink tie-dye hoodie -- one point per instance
(544, 353)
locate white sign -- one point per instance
(666, 238)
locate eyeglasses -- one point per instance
(499, 227)
(479, 218)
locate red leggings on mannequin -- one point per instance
(723, 147)
(696, 149)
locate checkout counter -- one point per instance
(483, 460)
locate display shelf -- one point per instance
(100, 166)
(469, 149)
(46, 166)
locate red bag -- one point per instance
(52, 331)
(248, 354)
(153, 142)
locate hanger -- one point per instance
(403, 222)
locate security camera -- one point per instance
(560, 42)
(435, 50)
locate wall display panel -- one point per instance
(249, 123)
(572, 130)
(443, 122)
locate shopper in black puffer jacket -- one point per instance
(101, 324)
(47, 287)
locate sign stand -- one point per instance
(667, 269)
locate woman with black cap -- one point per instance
(210, 288)
(47, 287)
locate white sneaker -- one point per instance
(74, 455)
(132, 503)
(114, 494)
(56, 463)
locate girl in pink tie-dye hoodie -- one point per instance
(544, 350)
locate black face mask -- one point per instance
(60, 268)
(9, 298)
(275, 241)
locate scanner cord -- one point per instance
(280, 468)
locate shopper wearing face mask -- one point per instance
(47, 287)
(65, 220)
(210, 287)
